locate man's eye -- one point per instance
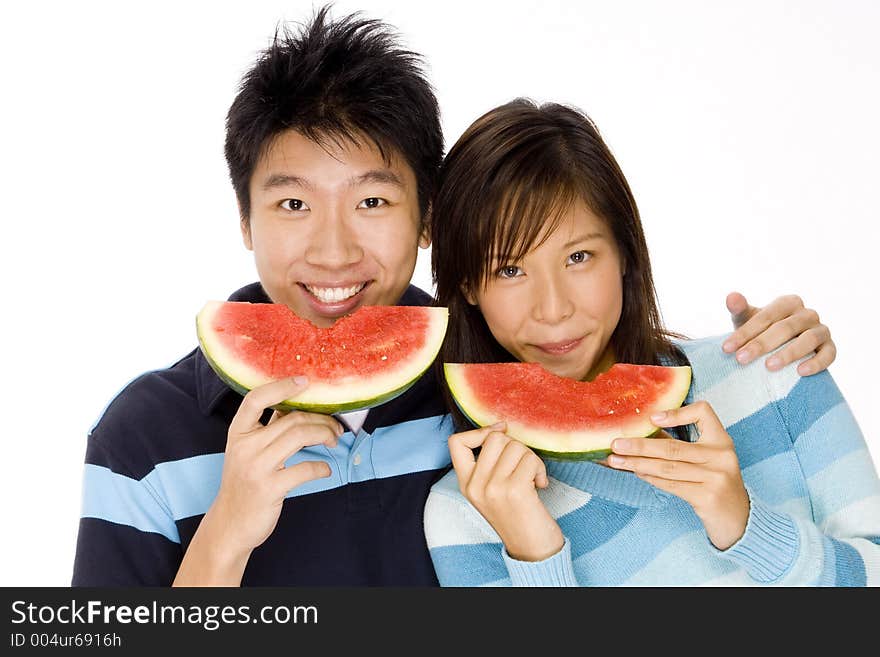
(372, 202)
(509, 271)
(578, 257)
(294, 205)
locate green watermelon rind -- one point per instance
(317, 407)
(326, 409)
(594, 455)
(568, 455)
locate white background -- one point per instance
(748, 132)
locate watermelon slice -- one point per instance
(563, 418)
(362, 360)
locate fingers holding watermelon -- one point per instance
(501, 482)
(254, 480)
(256, 401)
(705, 474)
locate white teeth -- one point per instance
(335, 294)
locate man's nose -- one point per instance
(333, 244)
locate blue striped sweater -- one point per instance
(813, 489)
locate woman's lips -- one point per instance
(559, 348)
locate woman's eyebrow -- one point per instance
(583, 238)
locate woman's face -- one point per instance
(560, 304)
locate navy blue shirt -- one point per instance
(153, 466)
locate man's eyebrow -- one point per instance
(385, 176)
(583, 238)
(285, 180)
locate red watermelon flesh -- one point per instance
(362, 360)
(563, 417)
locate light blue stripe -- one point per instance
(714, 364)
(778, 479)
(831, 437)
(124, 501)
(830, 497)
(191, 484)
(648, 533)
(413, 446)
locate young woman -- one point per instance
(541, 257)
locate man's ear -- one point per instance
(245, 226)
(425, 234)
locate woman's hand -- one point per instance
(502, 485)
(761, 330)
(705, 474)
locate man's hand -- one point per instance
(255, 482)
(761, 330)
(502, 485)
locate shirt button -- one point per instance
(357, 459)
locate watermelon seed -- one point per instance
(384, 357)
(297, 356)
(638, 411)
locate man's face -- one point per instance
(332, 227)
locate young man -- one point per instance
(333, 145)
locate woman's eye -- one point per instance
(294, 205)
(509, 271)
(372, 202)
(578, 257)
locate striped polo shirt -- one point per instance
(153, 466)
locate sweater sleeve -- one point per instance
(467, 551)
(556, 570)
(841, 546)
(127, 535)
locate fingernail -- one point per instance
(300, 380)
(619, 445)
(774, 363)
(498, 425)
(743, 356)
(614, 459)
(728, 346)
(658, 417)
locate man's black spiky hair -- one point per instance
(336, 80)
